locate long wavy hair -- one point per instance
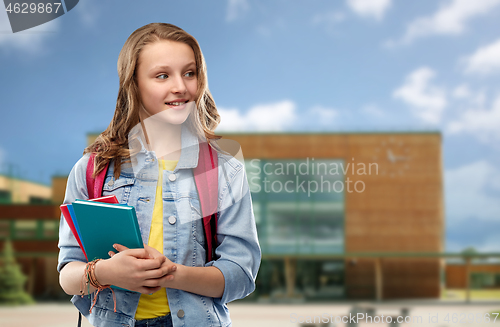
(113, 142)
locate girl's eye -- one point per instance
(190, 74)
(161, 76)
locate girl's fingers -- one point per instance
(151, 264)
(159, 273)
(152, 249)
(140, 253)
(111, 253)
(120, 247)
(154, 253)
(137, 253)
(153, 274)
(161, 258)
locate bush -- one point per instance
(12, 279)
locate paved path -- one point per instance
(278, 315)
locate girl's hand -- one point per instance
(165, 280)
(165, 270)
(207, 281)
(131, 269)
(168, 265)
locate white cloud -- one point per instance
(30, 41)
(450, 19)
(427, 101)
(462, 92)
(370, 8)
(265, 117)
(231, 120)
(485, 60)
(466, 192)
(236, 9)
(480, 122)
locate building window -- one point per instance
(298, 205)
(29, 229)
(39, 200)
(5, 196)
(485, 280)
(25, 229)
(50, 229)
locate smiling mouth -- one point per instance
(176, 103)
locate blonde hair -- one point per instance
(113, 142)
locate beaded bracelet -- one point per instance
(91, 274)
(89, 278)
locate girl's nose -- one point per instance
(179, 86)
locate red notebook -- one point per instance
(71, 220)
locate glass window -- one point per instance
(298, 204)
(482, 280)
(50, 229)
(497, 280)
(25, 229)
(5, 196)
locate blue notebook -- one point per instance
(103, 224)
(75, 222)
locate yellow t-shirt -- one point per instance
(156, 304)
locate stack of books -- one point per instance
(99, 223)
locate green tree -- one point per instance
(12, 279)
(469, 250)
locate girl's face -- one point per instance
(167, 81)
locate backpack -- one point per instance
(206, 180)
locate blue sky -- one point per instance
(307, 65)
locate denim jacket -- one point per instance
(237, 254)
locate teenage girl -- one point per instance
(164, 111)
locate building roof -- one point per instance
(24, 180)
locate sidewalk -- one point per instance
(278, 315)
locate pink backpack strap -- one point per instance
(206, 178)
(94, 190)
(94, 185)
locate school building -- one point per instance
(27, 217)
(17, 190)
(339, 215)
(323, 196)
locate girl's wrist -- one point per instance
(100, 272)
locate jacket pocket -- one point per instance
(120, 188)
